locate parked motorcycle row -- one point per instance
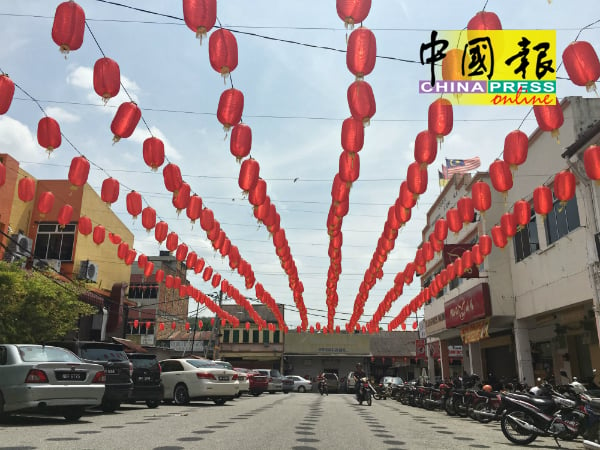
(563, 412)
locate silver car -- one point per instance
(47, 380)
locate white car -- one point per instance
(188, 379)
(243, 383)
(300, 384)
(43, 379)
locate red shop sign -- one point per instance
(470, 305)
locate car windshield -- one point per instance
(46, 354)
(103, 354)
(275, 373)
(224, 364)
(201, 363)
(144, 363)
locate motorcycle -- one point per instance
(436, 397)
(323, 389)
(485, 406)
(548, 413)
(363, 393)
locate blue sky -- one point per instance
(295, 102)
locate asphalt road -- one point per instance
(293, 421)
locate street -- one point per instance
(294, 421)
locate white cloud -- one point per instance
(61, 115)
(19, 141)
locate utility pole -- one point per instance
(217, 330)
(194, 331)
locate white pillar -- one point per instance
(523, 353)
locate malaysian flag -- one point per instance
(460, 166)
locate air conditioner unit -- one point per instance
(43, 264)
(88, 270)
(19, 244)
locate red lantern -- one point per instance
(440, 118)
(187, 326)
(148, 218)
(485, 244)
(173, 325)
(478, 256)
(402, 214)
(438, 246)
(466, 210)
(516, 144)
(361, 52)
(353, 135)
(501, 176)
(207, 219)
(122, 249)
(248, 177)
(199, 265)
(542, 200)
(216, 279)
(481, 195)
(207, 274)
(223, 51)
(582, 64)
(191, 259)
(170, 282)
(484, 20)
(65, 214)
(114, 238)
(182, 250)
(48, 134)
(110, 191)
(428, 251)
(7, 92)
(159, 276)
(160, 231)
(134, 203)
(142, 261)
(258, 194)
(172, 177)
(591, 162)
(441, 229)
(99, 234)
(136, 323)
(508, 223)
(455, 223)
(153, 153)
(231, 106)
(26, 189)
(416, 179)
(130, 257)
(45, 202)
(172, 241)
(407, 200)
(522, 212)
(361, 101)
(549, 118)
(161, 326)
(200, 16)
(194, 208)
(181, 198)
(107, 78)
(467, 259)
(499, 237)
(85, 225)
(564, 186)
(425, 148)
(127, 117)
(68, 26)
(349, 168)
(148, 325)
(352, 11)
(241, 141)
(79, 171)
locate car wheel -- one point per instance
(219, 401)
(256, 394)
(271, 392)
(180, 395)
(301, 389)
(109, 406)
(152, 403)
(73, 415)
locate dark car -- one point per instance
(147, 386)
(117, 367)
(258, 383)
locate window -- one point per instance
(526, 240)
(236, 336)
(255, 336)
(276, 337)
(561, 220)
(53, 242)
(246, 336)
(144, 290)
(226, 334)
(265, 336)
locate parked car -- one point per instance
(333, 383)
(147, 386)
(244, 380)
(228, 365)
(258, 383)
(48, 380)
(301, 384)
(188, 379)
(287, 385)
(275, 380)
(116, 365)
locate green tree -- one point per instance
(34, 307)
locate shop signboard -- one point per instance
(469, 306)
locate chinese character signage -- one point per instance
(491, 67)
(420, 349)
(469, 306)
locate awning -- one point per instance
(91, 298)
(130, 346)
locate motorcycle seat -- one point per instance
(540, 402)
(487, 394)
